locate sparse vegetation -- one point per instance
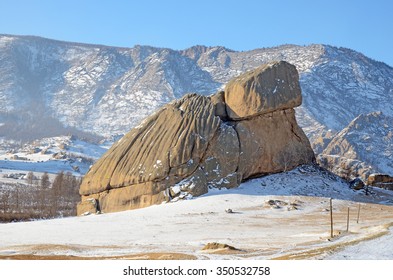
(39, 199)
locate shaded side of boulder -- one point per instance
(272, 143)
(218, 101)
(356, 184)
(221, 162)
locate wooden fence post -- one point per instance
(348, 220)
(331, 218)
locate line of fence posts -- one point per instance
(331, 217)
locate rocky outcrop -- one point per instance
(198, 142)
(364, 147)
(381, 181)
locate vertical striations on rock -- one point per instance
(196, 143)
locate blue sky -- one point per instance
(365, 26)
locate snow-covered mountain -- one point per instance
(107, 90)
(99, 89)
(363, 147)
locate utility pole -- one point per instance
(331, 218)
(348, 220)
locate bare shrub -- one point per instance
(21, 202)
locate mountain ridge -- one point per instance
(108, 90)
(36, 37)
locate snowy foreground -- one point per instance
(284, 216)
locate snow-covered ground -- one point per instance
(52, 155)
(50, 166)
(377, 249)
(277, 216)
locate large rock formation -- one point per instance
(198, 142)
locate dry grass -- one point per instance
(45, 251)
(147, 256)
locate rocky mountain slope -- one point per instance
(365, 145)
(108, 90)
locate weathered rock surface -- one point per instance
(356, 184)
(197, 143)
(170, 143)
(271, 143)
(88, 206)
(381, 181)
(273, 86)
